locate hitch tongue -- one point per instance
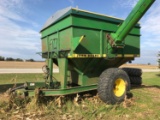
(19, 87)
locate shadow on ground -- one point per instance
(158, 74)
(5, 87)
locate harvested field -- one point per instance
(140, 66)
(17, 65)
(35, 67)
(4, 64)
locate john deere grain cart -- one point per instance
(88, 48)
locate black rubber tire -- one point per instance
(136, 80)
(106, 85)
(133, 71)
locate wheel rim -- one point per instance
(119, 87)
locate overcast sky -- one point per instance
(21, 21)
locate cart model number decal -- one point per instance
(32, 84)
(87, 55)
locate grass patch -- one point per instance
(144, 105)
(151, 78)
(20, 78)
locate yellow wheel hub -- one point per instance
(119, 87)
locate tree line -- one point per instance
(15, 59)
(159, 59)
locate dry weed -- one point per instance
(76, 99)
(59, 102)
(128, 102)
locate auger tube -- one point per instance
(135, 15)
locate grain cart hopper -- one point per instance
(88, 48)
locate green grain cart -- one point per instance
(88, 48)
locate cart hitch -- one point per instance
(19, 87)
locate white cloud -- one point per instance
(15, 39)
(151, 24)
(72, 2)
(147, 56)
(127, 3)
(150, 39)
(10, 9)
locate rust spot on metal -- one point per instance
(44, 46)
(110, 40)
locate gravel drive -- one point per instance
(11, 70)
(24, 70)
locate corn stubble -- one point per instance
(71, 107)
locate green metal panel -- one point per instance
(65, 37)
(62, 24)
(132, 45)
(58, 92)
(92, 23)
(63, 67)
(53, 42)
(44, 43)
(91, 39)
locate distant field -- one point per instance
(40, 64)
(4, 64)
(140, 66)
(14, 64)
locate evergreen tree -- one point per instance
(2, 58)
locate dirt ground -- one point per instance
(21, 65)
(4, 64)
(140, 66)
